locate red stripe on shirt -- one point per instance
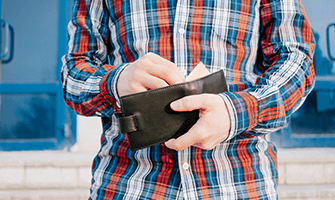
(266, 19)
(271, 113)
(81, 65)
(104, 92)
(84, 38)
(122, 30)
(200, 170)
(163, 176)
(290, 102)
(81, 18)
(249, 177)
(163, 20)
(119, 170)
(274, 158)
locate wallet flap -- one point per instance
(127, 124)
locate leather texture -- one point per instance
(148, 119)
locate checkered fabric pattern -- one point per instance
(265, 48)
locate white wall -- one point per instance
(89, 131)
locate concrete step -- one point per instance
(44, 195)
(45, 170)
(307, 192)
(318, 192)
(304, 174)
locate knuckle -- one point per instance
(167, 72)
(206, 145)
(141, 62)
(171, 65)
(149, 55)
(159, 83)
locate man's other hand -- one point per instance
(212, 127)
(149, 72)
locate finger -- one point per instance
(166, 74)
(197, 136)
(181, 142)
(152, 82)
(160, 71)
(162, 61)
(191, 102)
(194, 137)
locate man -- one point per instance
(265, 49)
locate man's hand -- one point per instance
(212, 127)
(147, 73)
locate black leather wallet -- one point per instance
(148, 119)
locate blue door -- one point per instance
(33, 115)
(313, 125)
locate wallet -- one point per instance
(148, 119)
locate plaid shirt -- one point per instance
(265, 49)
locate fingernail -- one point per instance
(175, 104)
(168, 143)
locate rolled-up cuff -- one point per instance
(108, 87)
(243, 112)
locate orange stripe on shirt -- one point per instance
(81, 19)
(294, 98)
(163, 176)
(163, 21)
(84, 36)
(240, 51)
(119, 170)
(274, 158)
(200, 170)
(122, 31)
(280, 111)
(271, 113)
(311, 75)
(252, 109)
(246, 163)
(306, 30)
(81, 65)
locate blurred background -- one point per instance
(46, 150)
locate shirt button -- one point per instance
(186, 166)
(181, 31)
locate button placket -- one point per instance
(187, 180)
(179, 35)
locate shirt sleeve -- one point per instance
(285, 57)
(89, 83)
